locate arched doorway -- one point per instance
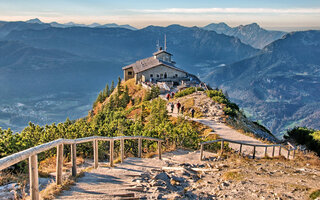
(165, 75)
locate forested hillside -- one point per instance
(113, 115)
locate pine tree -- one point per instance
(125, 97)
(112, 87)
(119, 85)
(100, 97)
(107, 90)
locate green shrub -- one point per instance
(305, 136)
(231, 109)
(152, 94)
(185, 92)
(315, 194)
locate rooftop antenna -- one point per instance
(158, 45)
(165, 42)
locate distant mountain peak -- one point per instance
(94, 25)
(34, 21)
(252, 26)
(251, 34)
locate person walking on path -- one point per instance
(172, 94)
(192, 112)
(172, 106)
(178, 106)
(182, 109)
(168, 96)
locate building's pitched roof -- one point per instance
(148, 63)
(161, 51)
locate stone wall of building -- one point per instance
(161, 71)
(128, 74)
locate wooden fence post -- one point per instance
(294, 154)
(266, 151)
(139, 147)
(74, 159)
(111, 152)
(279, 150)
(59, 164)
(288, 157)
(159, 149)
(122, 149)
(254, 152)
(95, 154)
(201, 152)
(273, 149)
(222, 146)
(240, 149)
(33, 176)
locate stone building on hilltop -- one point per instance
(158, 68)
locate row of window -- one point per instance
(162, 75)
(158, 75)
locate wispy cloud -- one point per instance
(230, 10)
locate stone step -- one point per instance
(103, 188)
(99, 197)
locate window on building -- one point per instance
(161, 75)
(151, 75)
(158, 75)
(129, 73)
(165, 75)
(176, 75)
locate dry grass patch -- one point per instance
(8, 177)
(309, 159)
(150, 155)
(53, 190)
(233, 174)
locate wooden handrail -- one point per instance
(249, 144)
(32, 153)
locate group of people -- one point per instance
(180, 108)
(168, 95)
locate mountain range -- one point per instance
(251, 34)
(280, 85)
(72, 24)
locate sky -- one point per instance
(270, 14)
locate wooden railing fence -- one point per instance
(273, 146)
(32, 154)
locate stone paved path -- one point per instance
(124, 180)
(113, 183)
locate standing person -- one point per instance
(172, 106)
(182, 109)
(172, 94)
(192, 112)
(178, 106)
(168, 96)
